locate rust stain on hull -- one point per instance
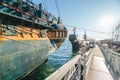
(1, 39)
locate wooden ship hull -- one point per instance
(26, 38)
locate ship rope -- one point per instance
(57, 8)
(44, 4)
(90, 30)
(87, 29)
(34, 45)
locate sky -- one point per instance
(92, 15)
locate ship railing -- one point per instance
(76, 69)
(25, 13)
(112, 60)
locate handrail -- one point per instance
(114, 53)
(26, 13)
(77, 68)
(73, 67)
(87, 63)
(113, 61)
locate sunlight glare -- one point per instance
(107, 21)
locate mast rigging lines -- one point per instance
(88, 30)
(57, 8)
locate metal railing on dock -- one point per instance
(113, 61)
(76, 69)
(88, 59)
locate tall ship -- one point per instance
(28, 35)
(117, 33)
(116, 38)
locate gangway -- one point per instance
(93, 65)
(98, 69)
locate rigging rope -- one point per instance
(88, 29)
(44, 4)
(57, 8)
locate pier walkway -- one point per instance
(98, 69)
(96, 64)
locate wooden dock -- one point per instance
(98, 69)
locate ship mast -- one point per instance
(58, 10)
(85, 36)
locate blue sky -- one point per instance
(87, 14)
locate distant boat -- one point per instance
(28, 35)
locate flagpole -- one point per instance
(74, 30)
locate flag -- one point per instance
(74, 29)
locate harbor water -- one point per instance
(55, 61)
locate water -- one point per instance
(55, 61)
